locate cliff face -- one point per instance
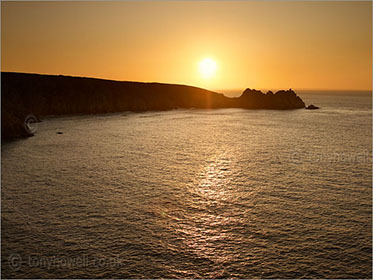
(24, 94)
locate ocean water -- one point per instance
(226, 193)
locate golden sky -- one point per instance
(264, 45)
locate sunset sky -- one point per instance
(264, 45)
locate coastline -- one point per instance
(42, 95)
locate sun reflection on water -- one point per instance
(212, 183)
(211, 194)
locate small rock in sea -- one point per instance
(59, 132)
(312, 107)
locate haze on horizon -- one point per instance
(309, 45)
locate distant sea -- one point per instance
(222, 193)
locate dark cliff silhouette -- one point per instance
(24, 94)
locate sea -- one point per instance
(191, 193)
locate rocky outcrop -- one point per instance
(24, 94)
(283, 99)
(312, 107)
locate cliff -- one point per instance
(23, 94)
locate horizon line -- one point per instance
(215, 90)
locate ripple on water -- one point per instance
(191, 194)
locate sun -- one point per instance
(207, 68)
